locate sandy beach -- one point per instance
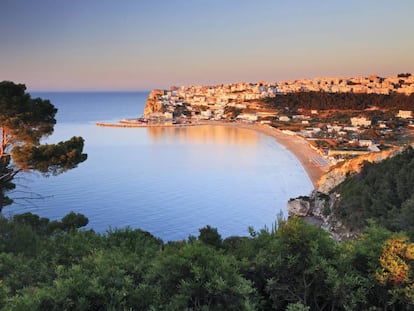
(313, 163)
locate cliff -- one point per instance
(338, 173)
(153, 103)
(318, 207)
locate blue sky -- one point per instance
(140, 45)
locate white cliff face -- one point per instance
(154, 104)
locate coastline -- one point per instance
(314, 165)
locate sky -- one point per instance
(140, 45)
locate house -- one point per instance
(206, 114)
(168, 115)
(365, 142)
(247, 117)
(351, 128)
(360, 121)
(284, 118)
(405, 114)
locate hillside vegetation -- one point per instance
(383, 192)
(340, 101)
(52, 265)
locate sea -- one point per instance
(168, 181)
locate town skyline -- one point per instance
(53, 46)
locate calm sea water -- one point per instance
(169, 181)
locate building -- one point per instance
(206, 114)
(405, 114)
(252, 117)
(360, 121)
(365, 142)
(284, 118)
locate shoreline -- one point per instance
(312, 162)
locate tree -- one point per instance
(396, 272)
(298, 272)
(210, 236)
(24, 121)
(301, 265)
(198, 277)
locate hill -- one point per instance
(383, 192)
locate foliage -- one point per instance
(50, 159)
(197, 277)
(210, 236)
(24, 121)
(297, 307)
(300, 264)
(396, 271)
(53, 265)
(231, 112)
(340, 101)
(383, 191)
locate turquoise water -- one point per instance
(169, 181)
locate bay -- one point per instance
(168, 181)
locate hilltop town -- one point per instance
(216, 98)
(214, 102)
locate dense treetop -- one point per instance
(52, 265)
(383, 192)
(340, 101)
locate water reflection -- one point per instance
(203, 134)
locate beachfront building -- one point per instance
(206, 114)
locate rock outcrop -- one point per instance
(319, 207)
(154, 104)
(338, 173)
(299, 207)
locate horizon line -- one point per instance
(128, 89)
(88, 90)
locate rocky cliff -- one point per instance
(154, 104)
(318, 207)
(338, 173)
